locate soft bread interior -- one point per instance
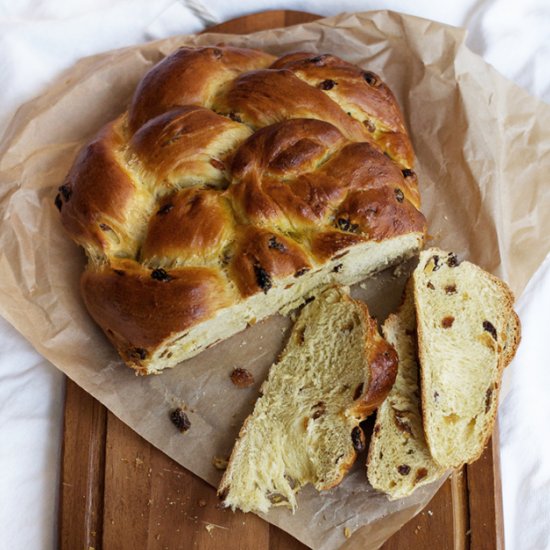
(352, 266)
(399, 460)
(463, 316)
(305, 427)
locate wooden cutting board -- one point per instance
(119, 492)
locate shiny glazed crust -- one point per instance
(231, 174)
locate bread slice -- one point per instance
(399, 459)
(467, 333)
(334, 371)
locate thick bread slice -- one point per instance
(399, 460)
(464, 321)
(335, 370)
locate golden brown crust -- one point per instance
(265, 97)
(262, 256)
(190, 76)
(382, 359)
(379, 214)
(355, 88)
(97, 192)
(192, 226)
(183, 143)
(222, 150)
(138, 308)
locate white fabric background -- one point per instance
(41, 38)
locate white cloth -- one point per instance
(41, 38)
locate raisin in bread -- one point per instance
(236, 184)
(467, 334)
(399, 459)
(334, 371)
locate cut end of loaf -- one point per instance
(463, 316)
(150, 352)
(305, 427)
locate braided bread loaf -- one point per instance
(236, 184)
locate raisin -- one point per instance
(450, 289)
(371, 79)
(430, 285)
(357, 439)
(421, 473)
(436, 396)
(345, 225)
(119, 272)
(262, 278)
(358, 391)
(447, 322)
(274, 243)
(235, 117)
(66, 191)
(452, 260)
(404, 469)
(402, 424)
(160, 274)
(58, 202)
(376, 428)
(165, 209)
(180, 420)
(489, 327)
(399, 195)
(407, 173)
(242, 378)
(138, 353)
(301, 272)
(488, 398)
(327, 84)
(437, 265)
(337, 268)
(318, 60)
(218, 164)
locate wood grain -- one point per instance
(118, 492)
(82, 470)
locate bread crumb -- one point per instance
(211, 526)
(202, 503)
(347, 532)
(430, 513)
(242, 378)
(220, 463)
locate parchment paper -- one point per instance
(483, 148)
